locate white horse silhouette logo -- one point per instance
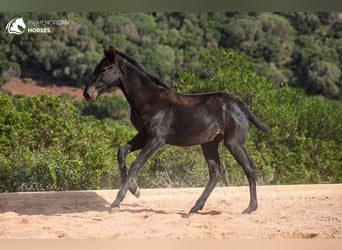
(13, 26)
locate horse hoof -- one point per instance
(249, 210)
(114, 210)
(137, 193)
(186, 216)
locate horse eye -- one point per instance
(105, 68)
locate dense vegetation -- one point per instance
(270, 61)
(295, 48)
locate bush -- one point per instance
(47, 145)
(8, 70)
(114, 108)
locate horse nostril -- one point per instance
(86, 95)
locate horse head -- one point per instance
(105, 76)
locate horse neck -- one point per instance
(138, 89)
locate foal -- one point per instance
(162, 116)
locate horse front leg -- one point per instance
(134, 144)
(149, 148)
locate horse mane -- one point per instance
(138, 66)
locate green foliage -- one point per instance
(8, 70)
(175, 167)
(47, 145)
(114, 108)
(267, 38)
(319, 67)
(302, 49)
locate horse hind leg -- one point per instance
(210, 152)
(237, 149)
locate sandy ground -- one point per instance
(296, 212)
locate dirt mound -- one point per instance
(297, 212)
(30, 88)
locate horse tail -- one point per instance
(257, 123)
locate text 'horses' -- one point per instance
(162, 116)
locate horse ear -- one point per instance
(110, 53)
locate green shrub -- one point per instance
(47, 145)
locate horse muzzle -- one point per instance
(90, 94)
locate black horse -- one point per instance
(162, 116)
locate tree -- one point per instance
(318, 69)
(324, 77)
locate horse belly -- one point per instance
(195, 130)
